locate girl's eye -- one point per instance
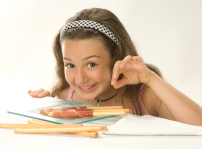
(70, 65)
(91, 64)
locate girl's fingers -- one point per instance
(121, 83)
(128, 64)
(32, 93)
(138, 59)
(126, 60)
(35, 93)
(116, 72)
(29, 91)
(43, 94)
(118, 68)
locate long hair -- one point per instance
(117, 52)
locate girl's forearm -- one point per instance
(182, 108)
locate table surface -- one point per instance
(17, 100)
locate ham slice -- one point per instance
(71, 113)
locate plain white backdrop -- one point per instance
(167, 34)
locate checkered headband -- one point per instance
(93, 25)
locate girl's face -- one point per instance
(88, 68)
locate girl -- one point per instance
(97, 63)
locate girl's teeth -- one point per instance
(87, 87)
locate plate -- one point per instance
(33, 112)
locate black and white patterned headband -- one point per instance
(93, 25)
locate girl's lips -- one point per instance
(87, 90)
(86, 85)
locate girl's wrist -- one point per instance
(151, 78)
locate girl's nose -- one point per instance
(81, 77)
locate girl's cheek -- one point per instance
(103, 75)
(69, 78)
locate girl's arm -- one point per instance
(180, 107)
(164, 100)
(153, 104)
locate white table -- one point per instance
(19, 99)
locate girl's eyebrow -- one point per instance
(84, 58)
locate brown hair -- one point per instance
(125, 47)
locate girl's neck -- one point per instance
(105, 95)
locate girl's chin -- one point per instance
(87, 97)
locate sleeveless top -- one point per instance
(139, 101)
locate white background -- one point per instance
(167, 34)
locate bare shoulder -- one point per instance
(150, 100)
(63, 94)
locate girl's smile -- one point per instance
(88, 88)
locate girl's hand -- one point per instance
(39, 93)
(133, 69)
